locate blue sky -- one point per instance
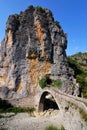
(72, 15)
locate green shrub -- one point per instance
(51, 127)
(62, 128)
(47, 82)
(57, 83)
(83, 114)
(57, 23)
(39, 8)
(43, 82)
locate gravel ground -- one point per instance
(23, 121)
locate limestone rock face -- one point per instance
(33, 47)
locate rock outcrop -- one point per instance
(34, 46)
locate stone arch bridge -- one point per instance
(60, 100)
(48, 98)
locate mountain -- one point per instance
(78, 62)
(34, 49)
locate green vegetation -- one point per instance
(47, 82)
(7, 107)
(51, 127)
(39, 8)
(7, 116)
(57, 23)
(43, 82)
(62, 128)
(81, 58)
(16, 110)
(83, 114)
(57, 83)
(2, 129)
(78, 63)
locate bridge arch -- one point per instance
(47, 101)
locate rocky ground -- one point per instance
(71, 120)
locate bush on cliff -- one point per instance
(47, 82)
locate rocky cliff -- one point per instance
(34, 46)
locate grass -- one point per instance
(62, 128)
(16, 110)
(51, 127)
(7, 116)
(2, 129)
(83, 114)
(6, 107)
